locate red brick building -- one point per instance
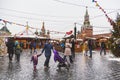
(87, 30)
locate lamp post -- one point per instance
(75, 31)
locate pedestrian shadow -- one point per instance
(46, 70)
(18, 65)
(35, 74)
(10, 66)
(13, 67)
(10, 69)
(47, 74)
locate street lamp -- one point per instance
(75, 31)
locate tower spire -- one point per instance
(86, 18)
(86, 11)
(43, 29)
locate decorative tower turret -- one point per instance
(86, 29)
(43, 29)
(86, 19)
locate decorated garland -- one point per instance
(114, 41)
(109, 19)
(27, 27)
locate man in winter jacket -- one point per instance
(47, 48)
(10, 48)
(103, 48)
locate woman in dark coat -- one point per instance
(10, 48)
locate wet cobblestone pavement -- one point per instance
(83, 68)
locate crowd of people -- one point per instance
(88, 47)
(15, 47)
(47, 50)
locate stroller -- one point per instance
(62, 62)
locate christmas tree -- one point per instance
(114, 41)
(115, 38)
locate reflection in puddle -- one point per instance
(114, 59)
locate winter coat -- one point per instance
(10, 46)
(103, 45)
(31, 45)
(18, 49)
(34, 58)
(47, 48)
(90, 44)
(67, 49)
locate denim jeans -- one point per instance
(102, 49)
(10, 56)
(46, 63)
(18, 57)
(70, 58)
(90, 50)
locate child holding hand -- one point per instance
(34, 59)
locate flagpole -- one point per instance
(27, 27)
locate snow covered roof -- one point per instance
(30, 36)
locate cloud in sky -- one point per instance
(58, 15)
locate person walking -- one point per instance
(31, 46)
(67, 54)
(34, 45)
(62, 46)
(17, 51)
(21, 45)
(103, 48)
(40, 44)
(34, 59)
(85, 48)
(73, 48)
(90, 43)
(47, 48)
(10, 48)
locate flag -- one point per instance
(97, 4)
(27, 27)
(70, 32)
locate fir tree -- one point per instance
(115, 38)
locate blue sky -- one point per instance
(58, 15)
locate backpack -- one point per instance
(18, 49)
(18, 46)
